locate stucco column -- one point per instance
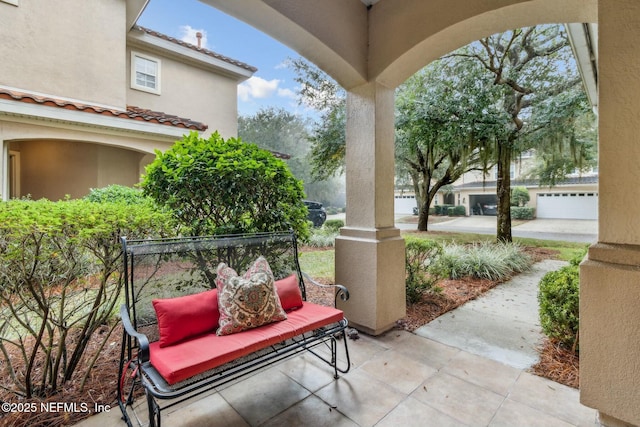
(610, 277)
(369, 251)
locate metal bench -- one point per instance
(178, 276)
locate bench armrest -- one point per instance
(341, 291)
(143, 341)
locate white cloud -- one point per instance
(287, 93)
(188, 35)
(257, 88)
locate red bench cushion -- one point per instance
(184, 317)
(189, 358)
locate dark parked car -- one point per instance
(317, 214)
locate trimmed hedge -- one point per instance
(220, 186)
(523, 212)
(559, 305)
(459, 210)
(442, 209)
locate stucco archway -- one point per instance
(371, 46)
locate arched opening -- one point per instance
(54, 169)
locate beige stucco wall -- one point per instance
(610, 278)
(66, 48)
(190, 92)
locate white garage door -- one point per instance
(567, 205)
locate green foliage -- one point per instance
(420, 255)
(519, 196)
(322, 238)
(328, 137)
(539, 81)
(60, 283)
(579, 256)
(443, 209)
(493, 261)
(117, 193)
(459, 210)
(559, 300)
(446, 125)
(218, 186)
(333, 224)
(524, 212)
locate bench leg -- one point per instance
(154, 410)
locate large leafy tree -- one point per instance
(281, 131)
(446, 126)
(532, 66)
(328, 137)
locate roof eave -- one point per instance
(584, 42)
(140, 38)
(134, 11)
(38, 112)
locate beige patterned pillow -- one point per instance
(249, 301)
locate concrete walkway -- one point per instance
(502, 325)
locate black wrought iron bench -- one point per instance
(172, 347)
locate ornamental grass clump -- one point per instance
(492, 261)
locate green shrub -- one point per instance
(558, 296)
(117, 193)
(420, 255)
(519, 196)
(332, 210)
(493, 261)
(60, 283)
(218, 186)
(333, 224)
(442, 209)
(459, 210)
(522, 212)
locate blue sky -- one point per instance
(272, 85)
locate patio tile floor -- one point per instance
(396, 379)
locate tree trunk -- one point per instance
(504, 192)
(423, 219)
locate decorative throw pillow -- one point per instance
(249, 301)
(187, 316)
(289, 292)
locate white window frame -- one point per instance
(134, 84)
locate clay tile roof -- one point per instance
(131, 113)
(198, 49)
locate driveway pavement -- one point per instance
(570, 230)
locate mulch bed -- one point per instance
(555, 363)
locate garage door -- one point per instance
(567, 205)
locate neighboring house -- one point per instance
(86, 96)
(576, 197)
